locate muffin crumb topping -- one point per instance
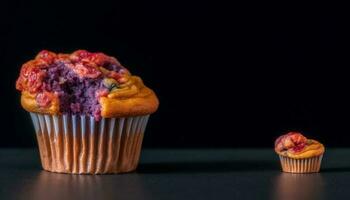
(78, 80)
(294, 144)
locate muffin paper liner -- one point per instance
(80, 145)
(306, 165)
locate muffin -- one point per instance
(88, 111)
(299, 154)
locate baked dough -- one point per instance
(130, 98)
(294, 145)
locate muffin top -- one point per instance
(83, 83)
(295, 145)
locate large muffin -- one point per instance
(89, 112)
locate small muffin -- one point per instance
(299, 154)
(88, 111)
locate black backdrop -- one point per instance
(226, 75)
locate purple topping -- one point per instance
(76, 95)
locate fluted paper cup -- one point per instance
(78, 144)
(305, 165)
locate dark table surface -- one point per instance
(180, 174)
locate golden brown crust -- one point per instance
(144, 103)
(133, 100)
(314, 148)
(30, 104)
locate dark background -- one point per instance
(226, 75)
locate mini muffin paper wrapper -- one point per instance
(305, 165)
(80, 145)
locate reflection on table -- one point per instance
(299, 186)
(54, 186)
